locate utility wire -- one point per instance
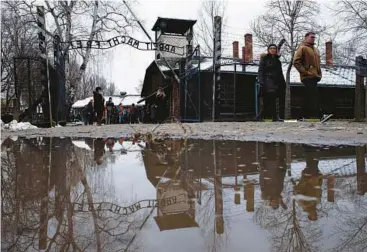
(151, 40)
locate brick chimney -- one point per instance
(243, 54)
(248, 48)
(329, 53)
(235, 49)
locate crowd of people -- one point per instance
(106, 112)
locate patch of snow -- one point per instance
(81, 144)
(304, 197)
(15, 126)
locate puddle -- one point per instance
(65, 194)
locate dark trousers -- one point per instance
(90, 118)
(311, 103)
(281, 100)
(99, 117)
(270, 103)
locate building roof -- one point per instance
(126, 100)
(341, 76)
(173, 25)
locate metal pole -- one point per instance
(199, 71)
(49, 92)
(29, 90)
(234, 89)
(41, 22)
(213, 106)
(256, 100)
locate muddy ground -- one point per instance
(330, 133)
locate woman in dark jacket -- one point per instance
(271, 81)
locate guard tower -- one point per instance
(175, 32)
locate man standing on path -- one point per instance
(98, 104)
(110, 107)
(307, 62)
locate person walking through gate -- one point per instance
(88, 111)
(307, 62)
(160, 102)
(133, 114)
(271, 80)
(110, 107)
(120, 112)
(98, 104)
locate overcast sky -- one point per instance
(126, 66)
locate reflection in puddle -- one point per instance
(62, 194)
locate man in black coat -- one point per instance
(272, 83)
(98, 104)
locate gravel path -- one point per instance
(330, 133)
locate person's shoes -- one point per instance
(325, 117)
(278, 120)
(258, 119)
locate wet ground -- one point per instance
(83, 194)
(329, 133)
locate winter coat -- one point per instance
(98, 101)
(307, 62)
(90, 108)
(110, 106)
(270, 74)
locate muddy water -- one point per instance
(65, 194)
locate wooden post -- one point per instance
(359, 106)
(330, 189)
(217, 55)
(361, 170)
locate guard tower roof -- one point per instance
(173, 25)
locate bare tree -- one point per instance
(352, 24)
(139, 88)
(90, 82)
(111, 89)
(83, 20)
(205, 27)
(17, 40)
(289, 20)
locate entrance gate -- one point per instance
(56, 104)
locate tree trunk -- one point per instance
(287, 112)
(88, 51)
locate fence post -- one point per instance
(30, 112)
(41, 22)
(359, 106)
(217, 51)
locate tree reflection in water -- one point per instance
(294, 227)
(352, 219)
(39, 187)
(37, 190)
(289, 229)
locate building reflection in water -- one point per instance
(281, 186)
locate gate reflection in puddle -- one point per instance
(98, 194)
